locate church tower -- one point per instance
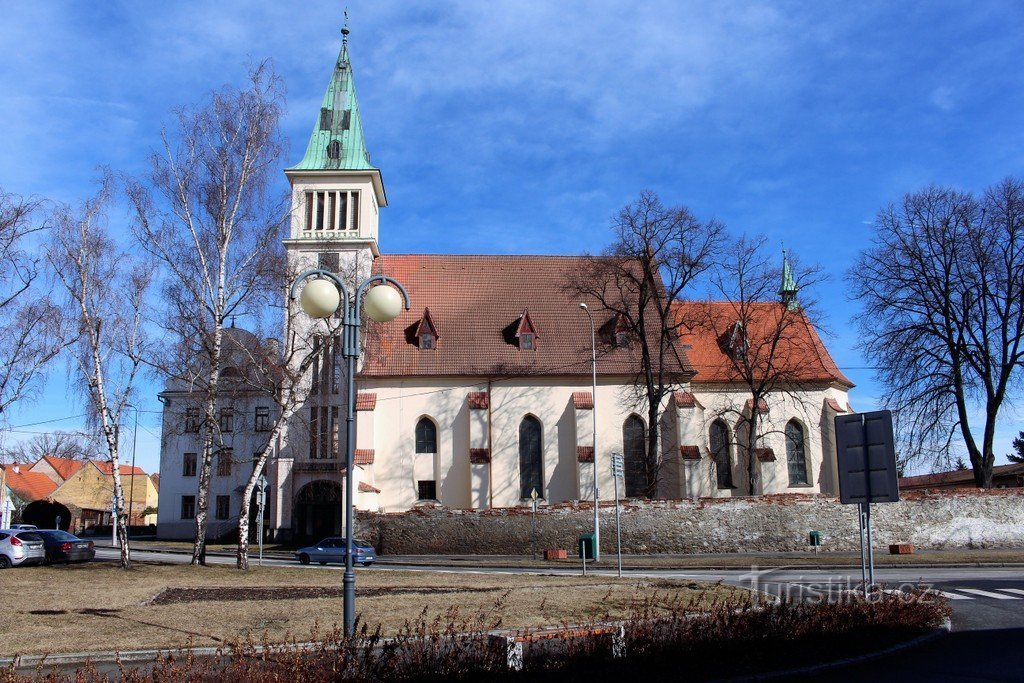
(336, 192)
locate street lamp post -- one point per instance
(593, 411)
(322, 298)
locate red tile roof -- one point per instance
(1009, 475)
(108, 469)
(762, 405)
(834, 405)
(585, 453)
(765, 454)
(690, 452)
(363, 456)
(684, 399)
(29, 486)
(64, 467)
(366, 488)
(476, 304)
(800, 352)
(479, 400)
(366, 400)
(583, 400)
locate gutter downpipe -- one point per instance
(490, 450)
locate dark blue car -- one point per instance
(333, 550)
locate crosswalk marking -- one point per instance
(1018, 591)
(952, 596)
(988, 594)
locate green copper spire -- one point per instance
(337, 141)
(788, 290)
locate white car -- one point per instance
(21, 546)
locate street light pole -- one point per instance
(382, 305)
(593, 411)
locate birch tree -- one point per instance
(766, 333)
(208, 216)
(27, 339)
(101, 293)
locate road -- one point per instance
(982, 598)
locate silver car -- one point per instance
(19, 547)
(333, 550)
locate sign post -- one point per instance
(261, 500)
(866, 456)
(533, 524)
(617, 471)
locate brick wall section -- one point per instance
(948, 519)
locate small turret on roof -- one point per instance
(788, 289)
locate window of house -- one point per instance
(227, 420)
(223, 507)
(526, 341)
(225, 457)
(634, 453)
(531, 461)
(314, 415)
(427, 489)
(328, 260)
(188, 468)
(718, 437)
(332, 210)
(622, 339)
(426, 341)
(192, 419)
(426, 436)
(262, 419)
(188, 507)
(796, 454)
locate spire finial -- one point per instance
(344, 29)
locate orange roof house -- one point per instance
(26, 485)
(57, 469)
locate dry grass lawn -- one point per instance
(96, 606)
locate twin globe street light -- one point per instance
(321, 298)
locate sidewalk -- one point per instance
(709, 561)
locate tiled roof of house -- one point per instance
(582, 400)
(800, 352)
(155, 478)
(29, 486)
(64, 467)
(960, 477)
(366, 400)
(477, 303)
(108, 469)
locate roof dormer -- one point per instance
(526, 333)
(426, 332)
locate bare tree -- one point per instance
(765, 332)
(60, 444)
(657, 253)
(27, 343)
(942, 290)
(102, 292)
(207, 215)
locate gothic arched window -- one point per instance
(796, 454)
(719, 443)
(634, 457)
(531, 461)
(426, 436)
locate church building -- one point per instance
(480, 394)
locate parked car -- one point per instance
(24, 527)
(64, 547)
(18, 546)
(333, 550)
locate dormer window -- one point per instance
(526, 333)
(426, 332)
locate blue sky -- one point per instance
(510, 127)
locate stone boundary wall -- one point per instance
(928, 519)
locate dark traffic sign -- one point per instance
(866, 456)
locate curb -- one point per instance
(940, 632)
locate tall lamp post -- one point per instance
(321, 298)
(593, 410)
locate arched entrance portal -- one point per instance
(318, 510)
(47, 514)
